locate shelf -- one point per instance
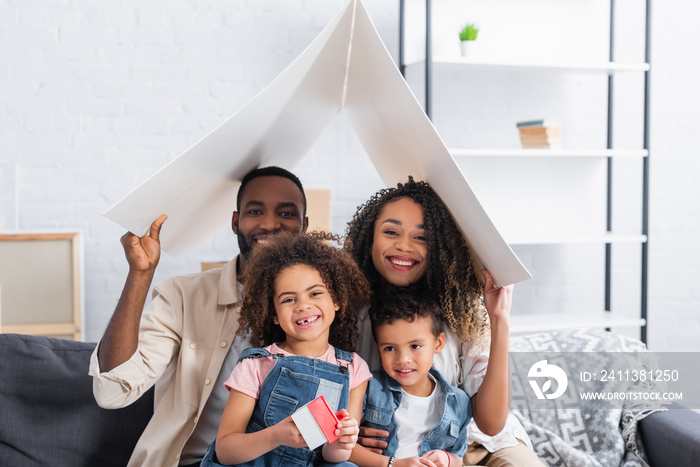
(521, 324)
(536, 67)
(572, 239)
(460, 152)
(543, 196)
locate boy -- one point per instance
(426, 418)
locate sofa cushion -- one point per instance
(566, 431)
(48, 415)
(672, 438)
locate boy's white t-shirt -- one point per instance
(415, 417)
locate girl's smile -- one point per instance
(305, 310)
(306, 323)
(399, 249)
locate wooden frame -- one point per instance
(40, 280)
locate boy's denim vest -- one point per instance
(293, 382)
(383, 397)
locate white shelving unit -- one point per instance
(485, 152)
(524, 324)
(465, 63)
(545, 239)
(583, 182)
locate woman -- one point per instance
(405, 236)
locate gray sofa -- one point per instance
(48, 416)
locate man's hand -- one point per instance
(143, 253)
(121, 337)
(374, 445)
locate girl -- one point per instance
(302, 295)
(405, 236)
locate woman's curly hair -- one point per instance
(449, 272)
(347, 285)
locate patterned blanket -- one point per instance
(575, 433)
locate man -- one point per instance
(185, 341)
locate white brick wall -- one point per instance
(94, 98)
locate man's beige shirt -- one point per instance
(184, 336)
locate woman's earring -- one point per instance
(275, 320)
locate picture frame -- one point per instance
(40, 277)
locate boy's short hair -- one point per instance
(405, 303)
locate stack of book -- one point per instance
(539, 134)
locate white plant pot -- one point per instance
(467, 48)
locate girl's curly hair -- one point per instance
(449, 275)
(347, 285)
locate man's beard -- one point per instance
(243, 245)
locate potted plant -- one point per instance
(467, 36)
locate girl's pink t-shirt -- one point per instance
(248, 375)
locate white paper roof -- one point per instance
(346, 68)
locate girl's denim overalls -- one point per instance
(293, 382)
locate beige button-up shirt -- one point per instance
(184, 336)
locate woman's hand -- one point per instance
(491, 404)
(348, 429)
(496, 299)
